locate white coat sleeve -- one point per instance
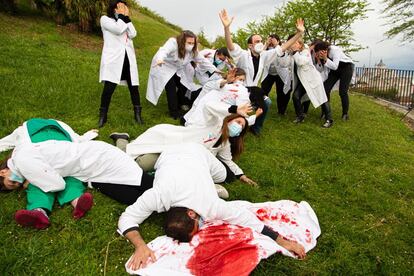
(87, 136)
(215, 110)
(302, 58)
(272, 54)
(217, 170)
(131, 30)
(37, 170)
(336, 56)
(228, 212)
(136, 213)
(224, 154)
(116, 27)
(169, 47)
(236, 53)
(204, 64)
(9, 142)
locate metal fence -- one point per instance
(390, 84)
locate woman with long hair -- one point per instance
(167, 70)
(118, 62)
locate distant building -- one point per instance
(381, 65)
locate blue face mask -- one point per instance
(16, 178)
(116, 16)
(200, 222)
(234, 129)
(217, 62)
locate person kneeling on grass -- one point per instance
(185, 178)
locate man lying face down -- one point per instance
(184, 186)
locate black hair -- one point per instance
(223, 51)
(3, 165)
(321, 46)
(316, 41)
(178, 224)
(110, 12)
(277, 38)
(250, 39)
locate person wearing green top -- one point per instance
(40, 203)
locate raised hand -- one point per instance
(120, 8)
(300, 25)
(225, 19)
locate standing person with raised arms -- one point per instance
(118, 62)
(254, 59)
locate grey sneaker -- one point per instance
(345, 117)
(221, 191)
(119, 135)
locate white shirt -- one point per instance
(244, 60)
(185, 178)
(336, 55)
(45, 164)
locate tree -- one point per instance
(329, 20)
(400, 15)
(202, 39)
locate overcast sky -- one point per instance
(199, 15)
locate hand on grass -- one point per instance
(292, 246)
(247, 180)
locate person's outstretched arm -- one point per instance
(300, 27)
(226, 20)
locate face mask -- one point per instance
(116, 16)
(217, 62)
(234, 129)
(200, 222)
(189, 47)
(15, 177)
(258, 48)
(239, 82)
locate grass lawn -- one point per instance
(358, 176)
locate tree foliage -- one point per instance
(329, 20)
(400, 15)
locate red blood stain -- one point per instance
(262, 214)
(308, 236)
(284, 218)
(233, 90)
(224, 250)
(294, 223)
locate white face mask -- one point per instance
(258, 48)
(239, 82)
(189, 47)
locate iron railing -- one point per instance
(390, 84)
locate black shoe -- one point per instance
(103, 116)
(137, 114)
(345, 117)
(327, 124)
(119, 135)
(299, 120)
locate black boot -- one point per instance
(137, 114)
(103, 112)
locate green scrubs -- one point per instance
(42, 130)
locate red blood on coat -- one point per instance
(224, 250)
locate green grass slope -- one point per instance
(358, 176)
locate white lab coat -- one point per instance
(161, 137)
(21, 136)
(283, 68)
(45, 164)
(117, 36)
(203, 77)
(309, 77)
(336, 55)
(244, 60)
(230, 94)
(185, 178)
(160, 75)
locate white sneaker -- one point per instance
(221, 191)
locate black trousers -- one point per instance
(344, 75)
(282, 99)
(109, 87)
(299, 107)
(175, 95)
(126, 194)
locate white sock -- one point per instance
(41, 210)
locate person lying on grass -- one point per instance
(57, 169)
(185, 176)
